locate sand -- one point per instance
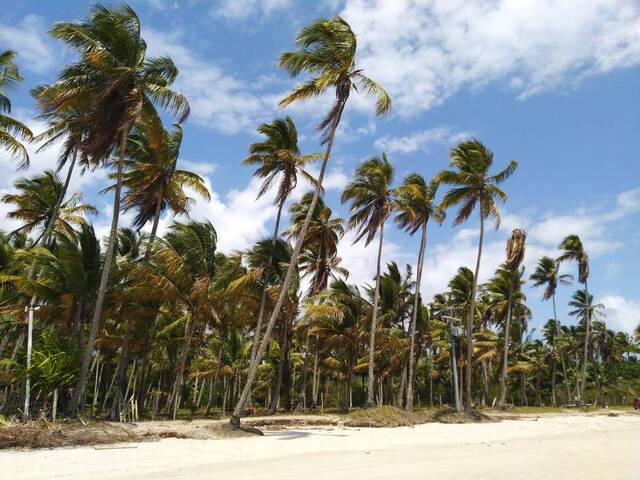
(563, 447)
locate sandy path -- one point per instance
(563, 447)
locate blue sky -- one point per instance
(553, 84)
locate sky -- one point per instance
(553, 84)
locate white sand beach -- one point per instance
(556, 446)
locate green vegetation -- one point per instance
(166, 325)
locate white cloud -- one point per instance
(423, 51)
(622, 314)
(420, 140)
(243, 9)
(217, 99)
(28, 38)
(361, 260)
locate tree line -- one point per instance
(143, 324)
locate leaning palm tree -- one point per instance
(473, 185)
(573, 250)
(371, 197)
(547, 275)
(113, 85)
(37, 204)
(326, 50)
(12, 131)
(515, 256)
(278, 156)
(415, 205)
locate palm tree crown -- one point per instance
(153, 180)
(327, 50)
(279, 155)
(11, 128)
(546, 274)
(472, 183)
(371, 198)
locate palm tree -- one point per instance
(113, 85)
(473, 185)
(415, 205)
(326, 50)
(573, 250)
(11, 130)
(278, 156)
(153, 180)
(319, 257)
(371, 197)
(515, 255)
(547, 275)
(37, 204)
(181, 273)
(154, 184)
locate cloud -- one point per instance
(243, 9)
(218, 99)
(420, 140)
(29, 38)
(361, 260)
(622, 314)
(424, 51)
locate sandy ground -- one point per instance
(555, 447)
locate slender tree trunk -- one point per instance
(253, 368)
(587, 328)
(104, 279)
(305, 368)
(177, 386)
(468, 402)
(505, 355)
(374, 324)
(414, 318)
(562, 360)
(265, 284)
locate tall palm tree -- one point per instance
(12, 131)
(573, 250)
(114, 85)
(277, 157)
(326, 50)
(415, 202)
(515, 256)
(473, 185)
(37, 204)
(371, 196)
(547, 275)
(154, 184)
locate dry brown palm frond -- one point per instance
(515, 249)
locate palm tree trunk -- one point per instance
(505, 355)
(104, 279)
(177, 386)
(374, 323)
(468, 403)
(263, 299)
(253, 368)
(587, 328)
(564, 366)
(414, 318)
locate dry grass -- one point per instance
(387, 416)
(40, 434)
